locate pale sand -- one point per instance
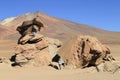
(9, 73)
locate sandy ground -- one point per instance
(7, 48)
(47, 73)
(9, 73)
(115, 49)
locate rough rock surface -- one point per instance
(4, 60)
(34, 49)
(85, 51)
(107, 66)
(38, 53)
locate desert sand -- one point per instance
(47, 73)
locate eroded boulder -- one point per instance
(85, 51)
(28, 26)
(34, 48)
(37, 54)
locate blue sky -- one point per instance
(104, 14)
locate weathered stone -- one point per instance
(36, 54)
(86, 51)
(41, 45)
(4, 60)
(34, 48)
(27, 26)
(31, 39)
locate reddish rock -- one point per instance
(84, 51)
(34, 49)
(36, 54)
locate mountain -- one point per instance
(56, 28)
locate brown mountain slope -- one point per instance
(58, 28)
(4, 31)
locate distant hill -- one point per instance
(56, 28)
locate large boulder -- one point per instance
(83, 51)
(26, 27)
(37, 54)
(34, 48)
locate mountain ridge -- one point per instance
(59, 28)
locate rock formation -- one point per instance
(108, 66)
(27, 28)
(4, 60)
(36, 50)
(85, 51)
